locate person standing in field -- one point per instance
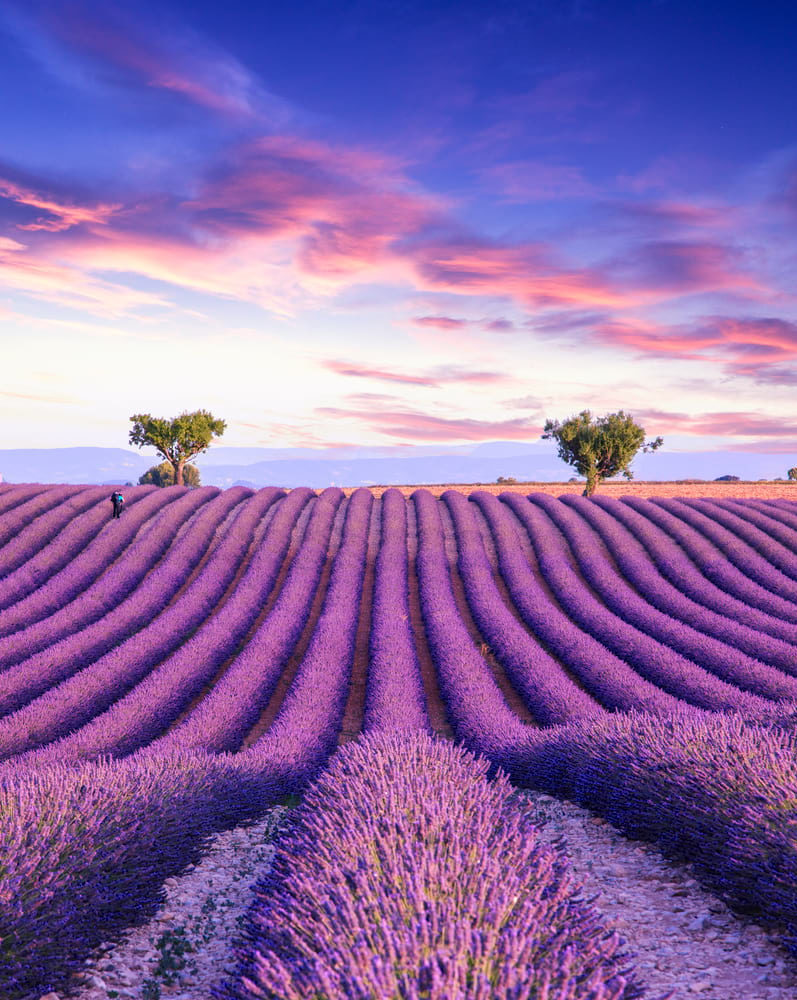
(118, 501)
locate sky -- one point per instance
(398, 223)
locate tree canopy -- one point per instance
(177, 440)
(163, 475)
(601, 448)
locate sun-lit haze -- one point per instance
(398, 223)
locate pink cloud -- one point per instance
(745, 346)
(443, 374)
(425, 427)
(157, 52)
(525, 273)
(62, 215)
(725, 424)
(362, 371)
(440, 322)
(678, 267)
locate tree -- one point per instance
(601, 448)
(163, 475)
(177, 440)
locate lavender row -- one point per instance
(14, 520)
(658, 663)
(86, 849)
(774, 522)
(681, 603)
(394, 695)
(13, 495)
(474, 702)
(771, 541)
(549, 694)
(153, 704)
(709, 522)
(77, 577)
(72, 703)
(32, 539)
(714, 790)
(714, 565)
(672, 559)
(233, 705)
(605, 676)
(469, 902)
(41, 669)
(304, 733)
(703, 646)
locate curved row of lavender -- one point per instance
(35, 539)
(67, 553)
(149, 707)
(657, 661)
(718, 555)
(84, 697)
(233, 705)
(406, 873)
(126, 599)
(111, 568)
(395, 697)
(679, 566)
(657, 614)
(550, 695)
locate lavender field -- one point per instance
(405, 662)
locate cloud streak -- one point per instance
(437, 377)
(414, 425)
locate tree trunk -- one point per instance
(592, 485)
(178, 473)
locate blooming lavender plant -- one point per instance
(658, 663)
(76, 579)
(406, 873)
(672, 560)
(659, 615)
(549, 693)
(85, 695)
(147, 710)
(394, 696)
(610, 680)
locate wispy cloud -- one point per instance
(730, 423)
(744, 346)
(58, 215)
(155, 51)
(441, 375)
(417, 426)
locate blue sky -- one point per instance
(398, 223)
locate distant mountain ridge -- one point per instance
(421, 465)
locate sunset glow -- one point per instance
(397, 224)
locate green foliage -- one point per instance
(792, 474)
(601, 448)
(177, 440)
(163, 475)
(506, 479)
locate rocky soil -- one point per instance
(678, 936)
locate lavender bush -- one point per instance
(405, 873)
